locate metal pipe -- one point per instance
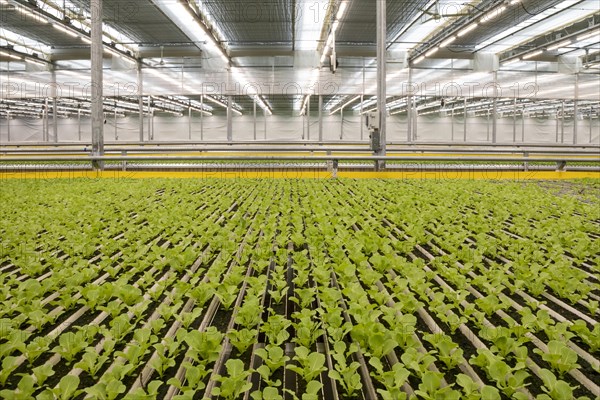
(97, 48)
(79, 124)
(8, 125)
(495, 109)
(116, 127)
(523, 125)
(362, 117)
(54, 107)
(592, 151)
(298, 158)
(265, 117)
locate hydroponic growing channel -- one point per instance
(292, 289)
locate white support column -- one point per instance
(576, 108)
(342, 124)
(254, 119)
(409, 106)
(265, 116)
(116, 126)
(515, 120)
(8, 125)
(45, 122)
(202, 118)
(465, 121)
(495, 110)
(308, 118)
(97, 48)
(140, 78)
(150, 113)
(362, 117)
(53, 90)
(79, 124)
(229, 119)
(190, 122)
(379, 143)
(320, 118)
(562, 122)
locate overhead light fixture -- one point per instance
(510, 62)
(86, 40)
(29, 60)
(589, 34)
(64, 30)
(432, 51)
(418, 59)
(467, 29)
(335, 25)
(341, 10)
(345, 105)
(513, 2)
(492, 14)
(3, 53)
(219, 102)
(448, 41)
(559, 45)
(532, 54)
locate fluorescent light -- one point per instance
(510, 62)
(432, 52)
(335, 25)
(86, 40)
(222, 104)
(559, 45)
(35, 62)
(65, 30)
(532, 54)
(589, 34)
(341, 10)
(3, 53)
(467, 29)
(513, 2)
(492, 14)
(448, 41)
(418, 59)
(345, 105)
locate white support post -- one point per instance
(254, 113)
(202, 118)
(575, 108)
(229, 119)
(465, 121)
(515, 120)
(308, 118)
(320, 118)
(379, 144)
(97, 49)
(190, 122)
(141, 100)
(79, 124)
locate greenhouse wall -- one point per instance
(442, 129)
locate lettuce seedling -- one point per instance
(205, 346)
(233, 385)
(241, 339)
(311, 363)
(560, 357)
